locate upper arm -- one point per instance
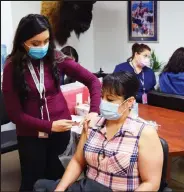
(79, 154)
(150, 158)
(76, 71)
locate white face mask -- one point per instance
(110, 110)
(145, 62)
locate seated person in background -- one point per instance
(121, 153)
(72, 53)
(138, 64)
(171, 79)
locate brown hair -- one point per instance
(176, 62)
(138, 48)
(123, 84)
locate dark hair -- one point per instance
(70, 51)
(138, 48)
(176, 62)
(28, 27)
(123, 84)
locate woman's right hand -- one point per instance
(62, 125)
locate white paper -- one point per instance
(78, 119)
(82, 109)
(77, 129)
(79, 98)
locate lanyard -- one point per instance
(39, 84)
(141, 80)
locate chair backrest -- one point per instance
(8, 141)
(169, 101)
(100, 74)
(165, 147)
(4, 115)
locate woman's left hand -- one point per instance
(88, 118)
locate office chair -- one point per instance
(168, 101)
(8, 138)
(163, 183)
(4, 115)
(100, 73)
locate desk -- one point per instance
(171, 129)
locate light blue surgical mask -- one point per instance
(38, 52)
(110, 110)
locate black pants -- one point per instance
(83, 185)
(39, 158)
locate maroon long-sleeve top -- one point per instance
(27, 116)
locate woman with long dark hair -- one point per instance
(139, 64)
(172, 77)
(34, 101)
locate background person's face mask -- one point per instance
(110, 110)
(38, 52)
(144, 62)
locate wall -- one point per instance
(22, 8)
(105, 44)
(85, 48)
(6, 25)
(111, 44)
(15, 10)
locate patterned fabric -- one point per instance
(114, 162)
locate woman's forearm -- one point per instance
(72, 173)
(147, 186)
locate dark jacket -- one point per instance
(172, 83)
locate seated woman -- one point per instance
(72, 53)
(121, 153)
(138, 64)
(172, 77)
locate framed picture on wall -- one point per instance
(143, 21)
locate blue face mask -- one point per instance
(38, 52)
(110, 110)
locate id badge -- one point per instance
(144, 98)
(43, 135)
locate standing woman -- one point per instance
(34, 101)
(138, 64)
